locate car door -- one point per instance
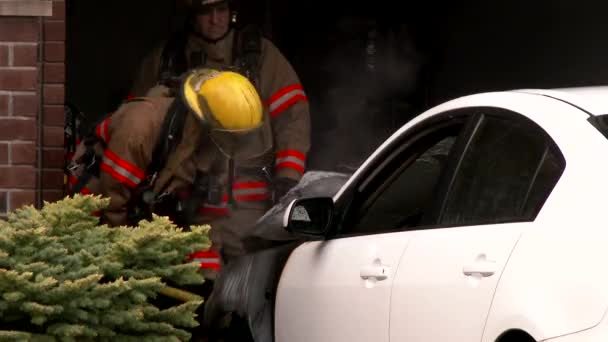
(447, 277)
(339, 289)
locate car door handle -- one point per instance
(483, 268)
(378, 272)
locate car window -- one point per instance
(403, 192)
(507, 172)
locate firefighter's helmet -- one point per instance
(229, 106)
(205, 5)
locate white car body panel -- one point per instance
(323, 281)
(431, 287)
(556, 281)
(594, 334)
(554, 278)
(590, 99)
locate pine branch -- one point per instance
(64, 277)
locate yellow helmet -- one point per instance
(229, 105)
(225, 99)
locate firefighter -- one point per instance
(169, 155)
(212, 40)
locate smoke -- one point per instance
(370, 71)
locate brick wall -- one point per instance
(32, 78)
(53, 77)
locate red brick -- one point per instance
(25, 55)
(52, 195)
(4, 55)
(54, 72)
(52, 136)
(25, 105)
(3, 153)
(54, 30)
(52, 158)
(3, 202)
(18, 79)
(54, 94)
(58, 10)
(52, 179)
(19, 29)
(17, 129)
(18, 199)
(54, 51)
(23, 153)
(17, 177)
(54, 115)
(3, 105)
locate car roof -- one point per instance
(593, 99)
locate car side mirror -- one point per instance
(310, 217)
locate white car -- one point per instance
(483, 219)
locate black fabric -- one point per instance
(246, 287)
(269, 230)
(247, 50)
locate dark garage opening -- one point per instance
(463, 47)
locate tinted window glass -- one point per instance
(550, 170)
(406, 193)
(506, 174)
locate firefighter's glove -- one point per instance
(280, 186)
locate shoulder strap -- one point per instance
(247, 51)
(170, 135)
(173, 60)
